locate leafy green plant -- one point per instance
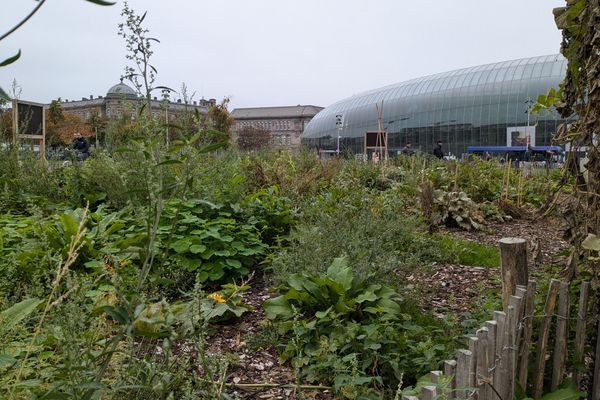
(362, 332)
(272, 212)
(217, 248)
(456, 208)
(225, 304)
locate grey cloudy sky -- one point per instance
(270, 52)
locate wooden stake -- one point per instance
(435, 376)
(596, 378)
(488, 392)
(510, 348)
(513, 266)
(428, 392)
(483, 363)
(540, 359)
(463, 373)
(523, 362)
(584, 296)
(473, 345)
(499, 378)
(560, 344)
(450, 371)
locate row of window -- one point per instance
(455, 138)
(267, 125)
(282, 140)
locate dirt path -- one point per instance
(464, 289)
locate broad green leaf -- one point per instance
(69, 225)
(278, 308)
(233, 263)
(296, 281)
(118, 314)
(591, 242)
(7, 361)
(10, 60)
(102, 2)
(318, 290)
(202, 276)
(322, 314)
(197, 248)
(15, 314)
(169, 162)
(570, 393)
(29, 383)
(181, 246)
(367, 295)
(212, 309)
(95, 265)
(340, 272)
(190, 264)
(216, 273)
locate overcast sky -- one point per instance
(269, 52)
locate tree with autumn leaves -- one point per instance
(61, 126)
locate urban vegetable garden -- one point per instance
(184, 272)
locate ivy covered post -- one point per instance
(579, 99)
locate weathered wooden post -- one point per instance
(540, 359)
(584, 297)
(562, 333)
(523, 361)
(596, 378)
(450, 371)
(513, 266)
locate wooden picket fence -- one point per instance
(500, 354)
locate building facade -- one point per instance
(487, 105)
(285, 124)
(122, 99)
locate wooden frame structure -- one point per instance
(381, 137)
(23, 113)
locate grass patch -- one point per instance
(466, 252)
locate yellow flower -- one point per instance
(216, 297)
(124, 262)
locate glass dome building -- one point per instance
(487, 105)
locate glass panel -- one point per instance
(518, 73)
(528, 71)
(438, 85)
(559, 68)
(484, 77)
(412, 89)
(537, 70)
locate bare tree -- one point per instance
(251, 138)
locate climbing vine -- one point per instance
(579, 95)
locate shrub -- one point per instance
(378, 232)
(208, 241)
(456, 208)
(361, 332)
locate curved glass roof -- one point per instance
(406, 104)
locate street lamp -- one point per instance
(528, 104)
(165, 96)
(339, 123)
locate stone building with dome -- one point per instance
(122, 99)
